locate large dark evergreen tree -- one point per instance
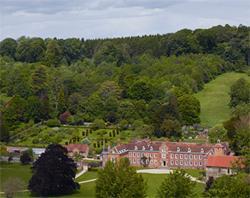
(53, 173)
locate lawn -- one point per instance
(195, 173)
(23, 172)
(214, 98)
(154, 181)
(87, 176)
(10, 170)
(88, 189)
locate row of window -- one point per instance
(137, 161)
(178, 150)
(185, 163)
(185, 156)
(138, 154)
(143, 148)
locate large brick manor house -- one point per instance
(160, 154)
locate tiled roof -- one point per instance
(138, 145)
(147, 145)
(80, 147)
(188, 147)
(221, 161)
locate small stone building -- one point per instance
(220, 165)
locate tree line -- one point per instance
(229, 42)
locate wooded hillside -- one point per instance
(146, 81)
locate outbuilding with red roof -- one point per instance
(220, 165)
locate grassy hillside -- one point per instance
(214, 98)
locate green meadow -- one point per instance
(214, 98)
(87, 189)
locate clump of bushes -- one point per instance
(53, 123)
(98, 124)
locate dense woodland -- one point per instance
(147, 80)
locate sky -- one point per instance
(115, 18)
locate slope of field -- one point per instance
(214, 98)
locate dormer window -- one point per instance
(178, 149)
(189, 150)
(136, 148)
(202, 150)
(143, 148)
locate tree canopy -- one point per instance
(120, 180)
(177, 184)
(240, 92)
(53, 173)
(230, 186)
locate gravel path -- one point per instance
(85, 169)
(87, 181)
(166, 171)
(155, 171)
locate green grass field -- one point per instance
(214, 98)
(87, 190)
(23, 172)
(153, 183)
(87, 176)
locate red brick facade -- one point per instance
(165, 154)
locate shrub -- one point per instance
(123, 124)
(64, 117)
(53, 123)
(26, 157)
(98, 124)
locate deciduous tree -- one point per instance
(240, 92)
(8, 47)
(230, 186)
(189, 108)
(177, 184)
(120, 180)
